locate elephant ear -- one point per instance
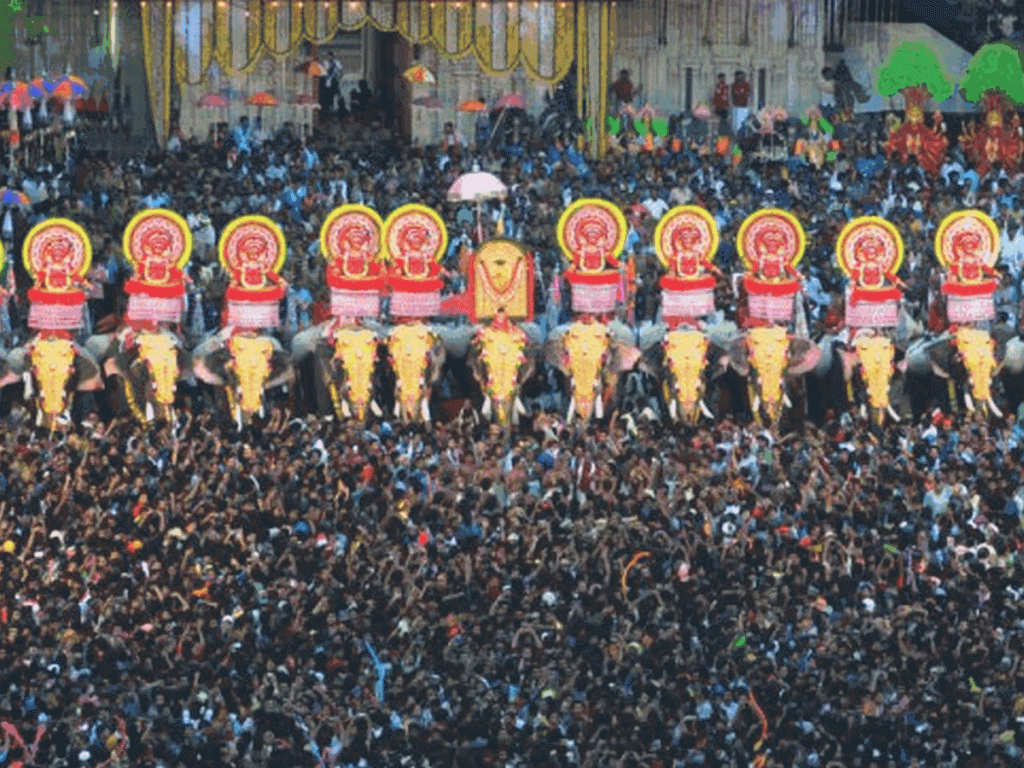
(940, 357)
(306, 342)
(554, 351)
(455, 338)
(1013, 357)
(804, 355)
(723, 335)
(208, 361)
(101, 345)
(651, 334)
(535, 333)
(281, 369)
(87, 371)
(621, 333)
(9, 374)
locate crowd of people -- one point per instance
(312, 592)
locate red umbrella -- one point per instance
(212, 100)
(314, 68)
(473, 105)
(512, 101)
(18, 97)
(263, 99)
(71, 87)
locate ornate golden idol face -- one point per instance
(501, 280)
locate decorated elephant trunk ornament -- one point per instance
(355, 349)
(586, 347)
(411, 347)
(158, 353)
(502, 353)
(251, 365)
(876, 355)
(977, 350)
(53, 363)
(685, 357)
(769, 355)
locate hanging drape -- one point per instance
(184, 38)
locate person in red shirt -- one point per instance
(721, 98)
(740, 100)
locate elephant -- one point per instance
(502, 357)
(52, 367)
(147, 366)
(592, 355)
(769, 358)
(688, 361)
(417, 354)
(971, 358)
(245, 365)
(341, 368)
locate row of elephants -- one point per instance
(419, 372)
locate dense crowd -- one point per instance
(316, 593)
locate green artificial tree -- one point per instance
(996, 67)
(915, 71)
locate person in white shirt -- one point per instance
(655, 205)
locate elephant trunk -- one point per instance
(977, 350)
(876, 354)
(250, 361)
(356, 351)
(769, 352)
(685, 354)
(53, 361)
(160, 354)
(586, 347)
(502, 355)
(410, 347)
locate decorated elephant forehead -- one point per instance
(250, 348)
(352, 231)
(686, 229)
(969, 236)
(156, 343)
(768, 338)
(52, 351)
(494, 339)
(158, 234)
(57, 244)
(869, 240)
(686, 343)
(587, 335)
(771, 233)
(416, 233)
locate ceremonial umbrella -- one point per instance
(512, 100)
(477, 187)
(419, 75)
(10, 196)
(71, 87)
(314, 68)
(262, 99)
(212, 101)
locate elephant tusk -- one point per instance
(571, 412)
(425, 410)
(262, 412)
(968, 401)
(786, 401)
(864, 412)
(486, 409)
(39, 417)
(375, 409)
(598, 406)
(238, 417)
(994, 408)
(27, 378)
(704, 408)
(673, 410)
(345, 410)
(757, 403)
(520, 408)
(150, 413)
(398, 408)
(892, 412)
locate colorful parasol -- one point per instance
(10, 196)
(419, 75)
(511, 101)
(476, 187)
(314, 68)
(212, 101)
(263, 99)
(473, 105)
(17, 96)
(71, 87)
(39, 88)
